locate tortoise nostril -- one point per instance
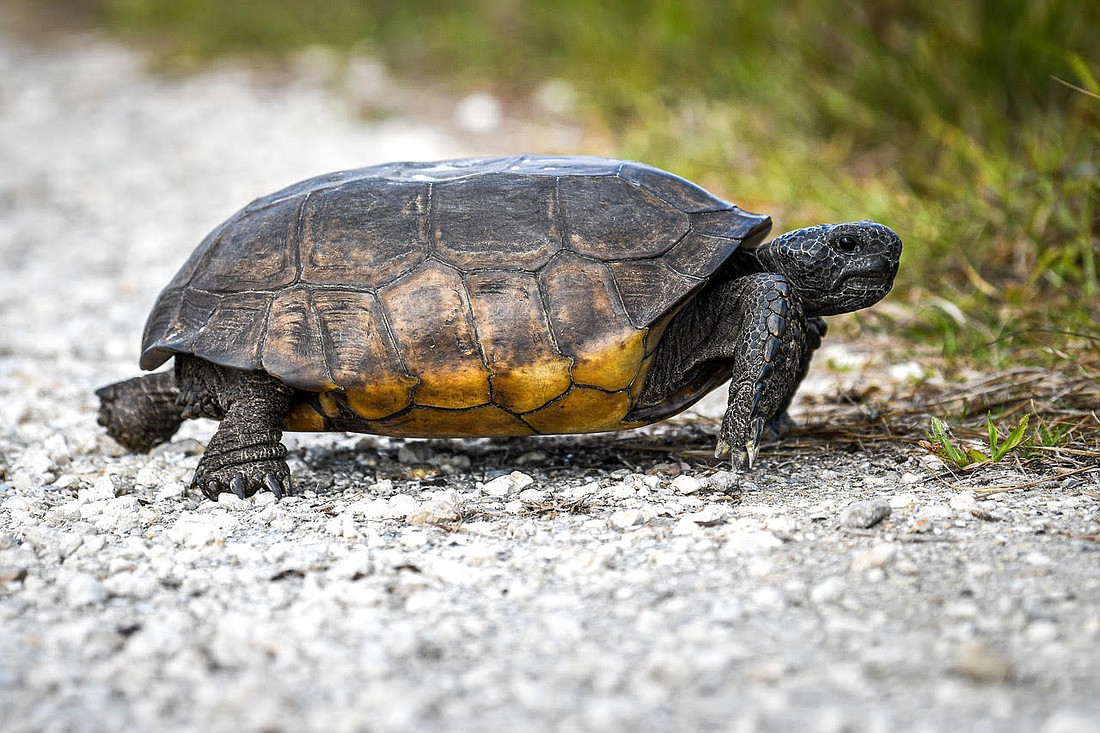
(847, 244)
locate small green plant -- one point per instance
(941, 444)
(1047, 436)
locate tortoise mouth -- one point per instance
(863, 282)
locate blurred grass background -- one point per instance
(972, 128)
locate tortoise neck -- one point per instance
(744, 262)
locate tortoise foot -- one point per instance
(742, 425)
(741, 456)
(237, 472)
(740, 442)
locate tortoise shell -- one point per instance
(475, 297)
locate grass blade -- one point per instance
(1014, 439)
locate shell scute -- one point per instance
(234, 334)
(363, 234)
(680, 193)
(518, 227)
(649, 288)
(486, 420)
(612, 219)
(176, 323)
(528, 370)
(581, 410)
(294, 342)
(252, 253)
(590, 322)
(429, 313)
(364, 359)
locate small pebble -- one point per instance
(233, 503)
(724, 481)
(66, 481)
(878, 556)
(865, 514)
(584, 491)
(102, 488)
(902, 501)
(184, 447)
(35, 462)
(139, 585)
(443, 508)
(982, 663)
(533, 496)
(344, 525)
(83, 589)
(686, 484)
(963, 501)
(507, 484)
(625, 518)
(751, 541)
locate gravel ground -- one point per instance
(578, 583)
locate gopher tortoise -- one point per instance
(504, 296)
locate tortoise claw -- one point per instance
(721, 449)
(742, 460)
(745, 459)
(751, 449)
(274, 485)
(244, 480)
(239, 487)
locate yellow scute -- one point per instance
(581, 410)
(613, 366)
(375, 401)
(456, 387)
(525, 388)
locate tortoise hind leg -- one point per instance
(140, 413)
(246, 454)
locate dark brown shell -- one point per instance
(492, 296)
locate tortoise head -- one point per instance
(836, 268)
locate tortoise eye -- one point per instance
(847, 244)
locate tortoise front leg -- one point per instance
(246, 454)
(770, 359)
(753, 327)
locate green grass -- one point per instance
(971, 128)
